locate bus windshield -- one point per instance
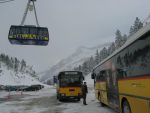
(70, 80)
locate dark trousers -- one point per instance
(84, 99)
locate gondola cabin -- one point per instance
(28, 35)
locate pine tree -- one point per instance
(23, 66)
(7, 62)
(80, 68)
(85, 68)
(12, 62)
(103, 53)
(16, 66)
(91, 63)
(131, 32)
(97, 57)
(118, 39)
(111, 48)
(124, 38)
(136, 26)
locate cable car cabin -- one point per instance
(28, 35)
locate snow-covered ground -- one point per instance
(44, 101)
(93, 105)
(18, 102)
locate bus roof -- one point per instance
(143, 31)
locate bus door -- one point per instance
(112, 89)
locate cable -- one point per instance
(35, 14)
(25, 13)
(4, 1)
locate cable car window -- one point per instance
(18, 31)
(24, 30)
(33, 30)
(43, 34)
(12, 31)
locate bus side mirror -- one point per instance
(92, 76)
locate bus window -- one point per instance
(97, 77)
(70, 80)
(121, 73)
(102, 75)
(138, 56)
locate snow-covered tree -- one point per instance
(136, 26)
(16, 66)
(103, 53)
(91, 63)
(85, 68)
(131, 31)
(124, 39)
(118, 39)
(23, 65)
(97, 57)
(111, 48)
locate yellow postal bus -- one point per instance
(69, 85)
(122, 81)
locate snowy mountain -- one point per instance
(74, 60)
(11, 77)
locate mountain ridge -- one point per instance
(81, 54)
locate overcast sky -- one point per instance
(71, 24)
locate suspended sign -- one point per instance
(28, 35)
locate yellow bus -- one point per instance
(122, 80)
(69, 85)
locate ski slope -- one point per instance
(9, 77)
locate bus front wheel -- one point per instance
(126, 107)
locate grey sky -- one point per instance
(71, 23)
